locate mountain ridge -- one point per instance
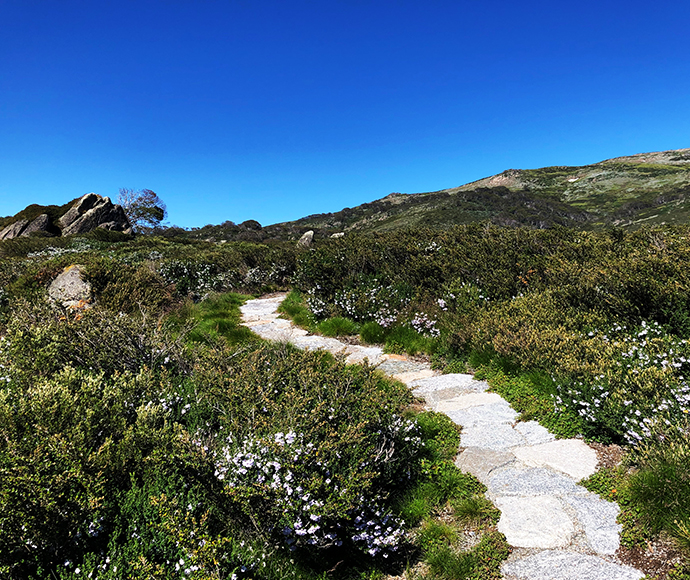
(620, 191)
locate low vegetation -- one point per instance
(586, 332)
(153, 437)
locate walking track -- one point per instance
(558, 529)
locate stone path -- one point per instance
(558, 529)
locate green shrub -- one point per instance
(295, 308)
(475, 509)
(403, 339)
(42, 340)
(441, 435)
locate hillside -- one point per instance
(647, 188)
(625, 191)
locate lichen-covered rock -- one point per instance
(93, 211)
(71, 289)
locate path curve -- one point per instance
(558, 529)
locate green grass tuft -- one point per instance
(216, 316)
(338, 326)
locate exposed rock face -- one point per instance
(89, 212)
(40, 224)
(70, 289)
(93, 211)
(13, 230)
(306, 240)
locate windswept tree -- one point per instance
(143, 207)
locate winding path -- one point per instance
(558, 529)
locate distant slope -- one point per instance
(625, 191)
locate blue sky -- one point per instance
(273, 110)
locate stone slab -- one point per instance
(462, 382)
(533, 432)
(496, 437)
(468, 400)
(534, 522)
(598, 518)
(560, 565)
(481, 462)
(312, 342)
(571, 456)
(411, 376)
(396, 366)
(529, 481)
(491, 414)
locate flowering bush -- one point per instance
(312, 448)
(642, 382)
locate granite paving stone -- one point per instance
(571, 456)
(527, 481)
(562, 565)
(493, 413)
(468, 400)
(460, 382)
(495, 437)
(533, 432)
(598, 518)
(534, 522)
(480, 462)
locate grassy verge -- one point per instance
(454, 524)
(395, 339)
(216, 316)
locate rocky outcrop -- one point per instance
(93, 211)
(40, 224)
(14, 230)
(88, 213)
(306, 240)
(71, 289)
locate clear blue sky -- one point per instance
(273, 110)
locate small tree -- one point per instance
(144, 209)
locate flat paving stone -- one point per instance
(468, 400)
(533, 432)
(529, 481)
(493, 413)
(395, 366)
(571, 456)
(357, 354)
(312, 342)
(598, 518)
(561, 565)
(481, 462)
(534, 522)
(411, 376)
(496, 437)
(462, 382)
